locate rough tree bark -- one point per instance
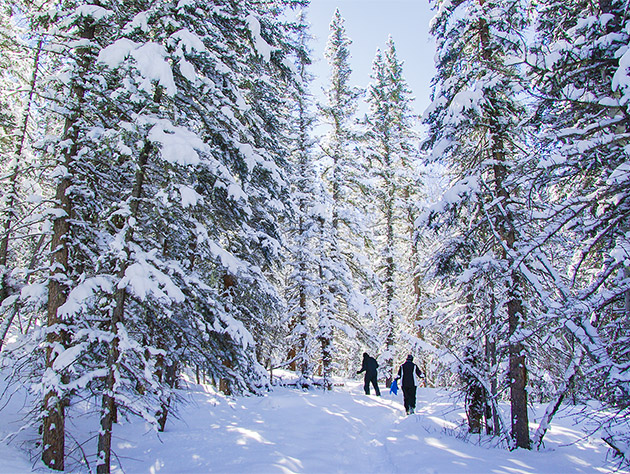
(505, 228)
(53, 429)
(474, 390)
(492, 417)
(390, 269)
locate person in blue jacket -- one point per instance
(408, 372)
(369, 367)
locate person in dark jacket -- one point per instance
(408, 372)
(369, 367)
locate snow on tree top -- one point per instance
(260, 44)
(178, 144)
(93, 11)
(150, 60)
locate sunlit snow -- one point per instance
(293, 431)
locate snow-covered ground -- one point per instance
(291, 431)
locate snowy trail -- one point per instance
(290, 431)
(285, 431)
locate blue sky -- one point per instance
(368, 24)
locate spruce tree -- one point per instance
(391, 155)
(474, 128)
(302, 292)
(20, 70)
(342, 304)
(77, 33)
(579, 65)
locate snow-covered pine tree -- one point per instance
(343, 233)
(270, 90)
(474, 128)
(580, 70)
(391, 156)
(90, 344)
(301, 290)
(168, 172)
(432, 182)
(10, 144)
(74, 36)
(207, 238)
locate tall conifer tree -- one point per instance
(302, 290)
(391, 155)
(581, 82)
(474, 125)
(20, 71)
(342, 305)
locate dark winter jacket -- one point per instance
(369, 366)
(408, 371)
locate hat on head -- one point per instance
(409, 357)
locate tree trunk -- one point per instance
(108, 410)
(505, 227)
(167, 373)
(475, 405)
(492, 417)
(474, 399)
(516, 350)
(325, 336)
(626, 296)
(295, 322)
(415, 261)
(325, 331)
(327, 358)
(224, 382)
(389, 283)
(298, 352)
(53, 429)
(518, 377)
(53, 424)
(229, 285)
(303, 364)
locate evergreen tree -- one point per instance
(302, 290)
(474, 127)
(391, 156)
(579, 67)
(21, 197)
(342, 305)
(75, 36)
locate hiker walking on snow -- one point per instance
(409, 371)
(369, 367)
